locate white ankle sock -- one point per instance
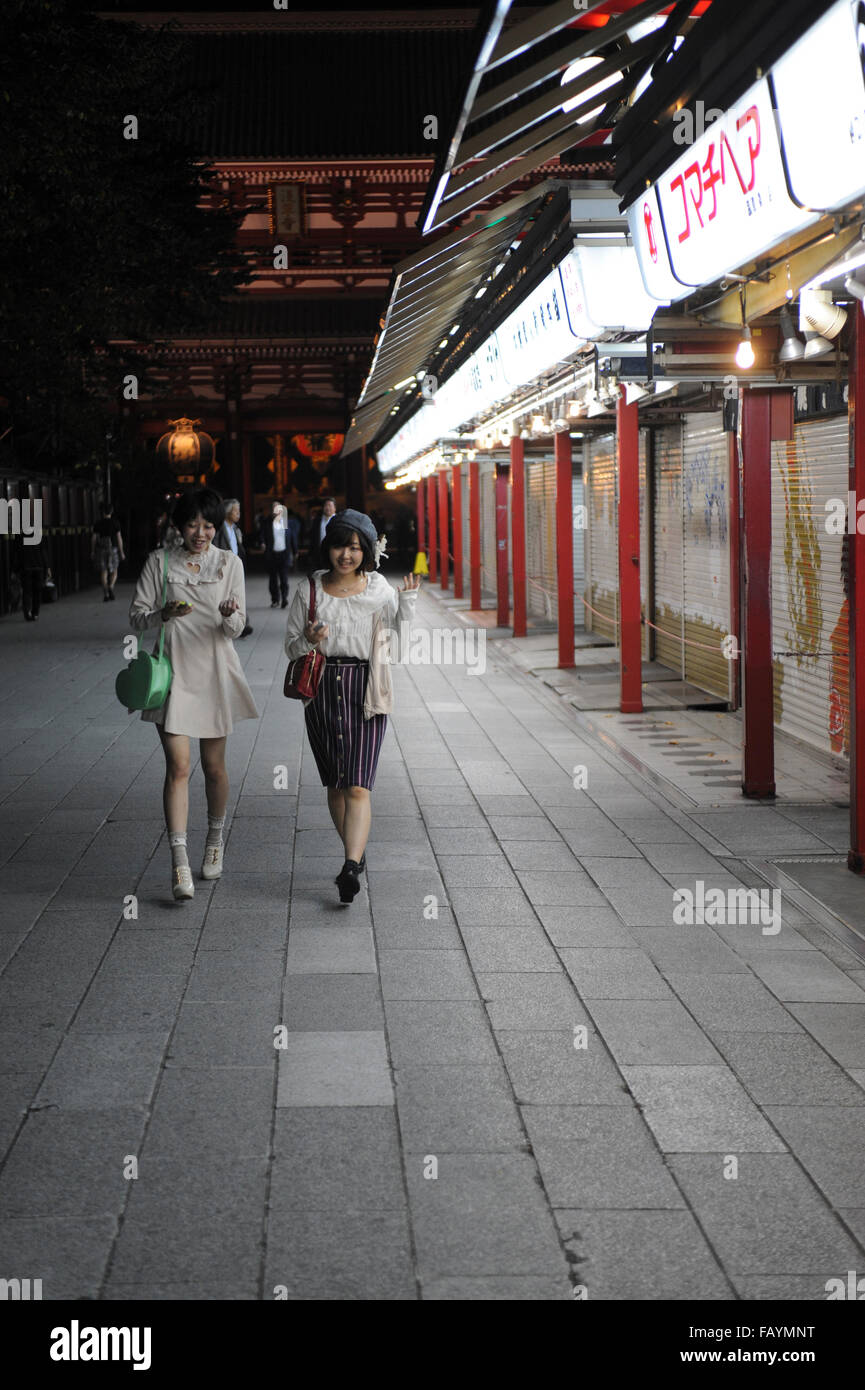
(214, 830)
(177, 841)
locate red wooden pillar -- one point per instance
(457, 478)
(758, 774)
(475, 533)
(421, 518)
(735, 567)
(856, 597)
(518, 533)
(443, 527)
(503, 603)
(630, 631)
(565, 548)
(431, 510)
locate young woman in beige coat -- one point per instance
(205, 610)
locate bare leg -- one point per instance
(336, 806)
(103, 579)
(175, 792)
(215, 775)
(358, 816)
(112, 580)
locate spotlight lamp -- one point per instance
(792, 348)
(818, 314)
(816, 346)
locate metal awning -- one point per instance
(430, 291)
(512, 118)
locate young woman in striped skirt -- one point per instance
(355, 612)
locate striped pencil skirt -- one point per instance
(344, 744)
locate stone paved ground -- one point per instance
(503, 1071)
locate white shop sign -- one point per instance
(536, 335)
(820, 96)
(725, 200)
(650, 243)
(604, 293)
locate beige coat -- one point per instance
(209, 691)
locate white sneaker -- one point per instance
(181, 882)
(212, 865)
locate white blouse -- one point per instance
(349, 619)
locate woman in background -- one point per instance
(106, 550)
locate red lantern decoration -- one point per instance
(186, 450)
(318, 448)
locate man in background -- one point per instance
(277, 537)
(230, 537)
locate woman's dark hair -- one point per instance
(205, 501)
(340, 533)
(106, 509)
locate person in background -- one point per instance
(295, 526)
(30, 563)
(230, 537)
(276, 537)
(203, 612)
(106, 550)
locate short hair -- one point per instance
(202, 501)
(230, 503)
(340, 533)
(106, 509)
(325, 500)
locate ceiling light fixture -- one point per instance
(792, 348)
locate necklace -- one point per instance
(344, 589)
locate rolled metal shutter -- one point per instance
(488, 529)
(602, 559)
(578, 499)
(809, 607)
(542, 584)
(706, 538)
(668, 547)
(645, 539)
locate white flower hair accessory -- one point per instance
(379, 550)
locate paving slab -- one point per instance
(334, 1068)
(645, 1255)
(692, 1109)
(480, 1211)
(768, 1221)
(598, 1156)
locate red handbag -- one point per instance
(304, 674)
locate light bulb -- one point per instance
(745, 351)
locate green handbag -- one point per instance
(146, 681)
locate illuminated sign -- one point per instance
(725, 200)
(820, 96)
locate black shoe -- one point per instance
(28, 617)
(111, 594)
(246, 631)
(106, 598)
(275, 603)
(347, 881)
(284, 603)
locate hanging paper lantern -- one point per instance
(185, 449)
